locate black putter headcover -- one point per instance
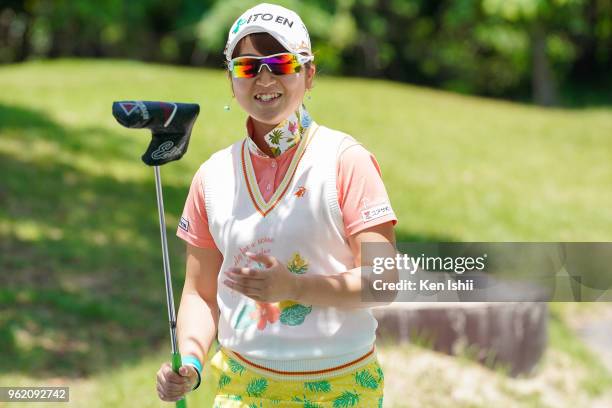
(170, 124)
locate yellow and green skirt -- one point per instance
(243, 384)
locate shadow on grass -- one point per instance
(81, 287)
(97, 141)
(82, 284)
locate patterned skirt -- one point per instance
(242, 384)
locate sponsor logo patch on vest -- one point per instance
(376, 212)
(184, 224)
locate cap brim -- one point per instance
(252, 30)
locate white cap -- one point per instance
(283, 24)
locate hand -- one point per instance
(272, 284)
(171, 386)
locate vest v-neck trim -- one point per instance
(248, 171)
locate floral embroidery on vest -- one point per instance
(288, 312)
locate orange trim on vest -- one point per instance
(282, 194)
(246, 179)
(327, 370)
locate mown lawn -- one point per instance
(81, 286)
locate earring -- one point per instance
(227, 107)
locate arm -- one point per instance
(196, 323)
(198, 314)
(276, 283)
(344, 289)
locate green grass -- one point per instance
(81, 285)
(599, 379)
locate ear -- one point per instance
(312, 69)
(231, 83)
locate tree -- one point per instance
(550, 24)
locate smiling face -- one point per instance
(269, 98)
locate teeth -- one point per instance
(267, 97)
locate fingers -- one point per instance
(172, 386)
(255, 284)
(247, 277)
(188, 371)
(170, 396)
(245, 289)
(267, 260)
(251, 273)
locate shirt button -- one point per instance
(273, 164)
(268, 187)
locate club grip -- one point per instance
(176, 364)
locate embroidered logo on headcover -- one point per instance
(184, 224)
(165, 150)
(376, 212)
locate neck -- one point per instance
(259, 131)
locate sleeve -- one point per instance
(362, 195)
(193, 225)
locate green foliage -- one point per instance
(472, 46)
(365, 379)
(275, 151)
(307, 403)
(256, 387)
(235, 366)
(346, 399)
(381, 375)
(294, 315)
(275, 136)
(224, 380)
(318, 386)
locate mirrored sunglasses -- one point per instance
(278, 64)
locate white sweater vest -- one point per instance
(302, 227)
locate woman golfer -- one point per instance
(274, 225)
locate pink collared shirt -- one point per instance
(358, 182)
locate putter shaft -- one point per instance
(164, 242)
(176, 357)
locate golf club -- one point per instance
(170, 125)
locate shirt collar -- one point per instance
(284, 136)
